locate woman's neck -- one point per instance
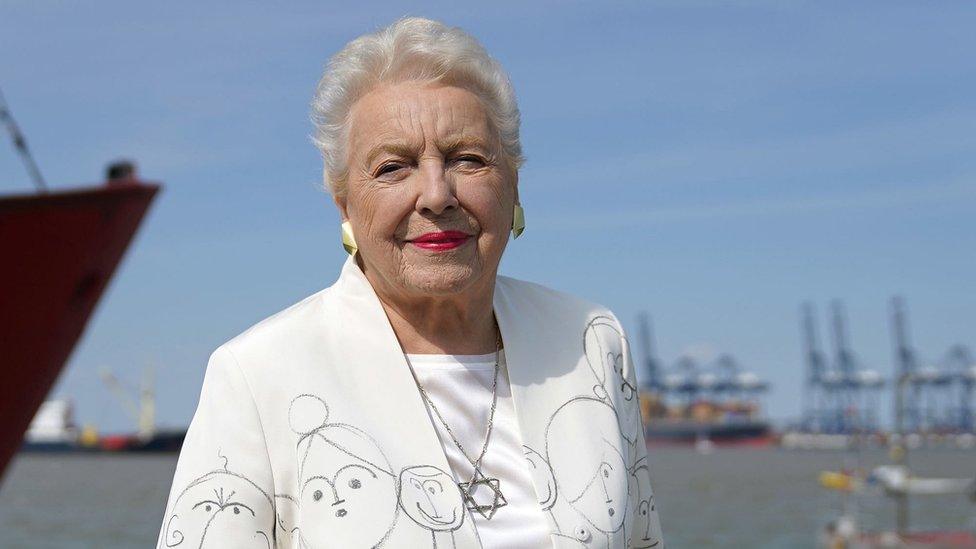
(459, 325)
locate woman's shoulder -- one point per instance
(524, 294)
(304, 322)
(283, 329)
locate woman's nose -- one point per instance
(436, 194)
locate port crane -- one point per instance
(143, 410)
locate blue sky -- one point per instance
(713, 163)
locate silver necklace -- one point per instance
(477, 477)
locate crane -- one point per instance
(143, 412)
(816, 390)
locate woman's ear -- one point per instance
(515, 178)
(340, 202)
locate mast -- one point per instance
(20, 143)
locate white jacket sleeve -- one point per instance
(644, 528)
(223, 490)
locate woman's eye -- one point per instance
(469, 160)
(387, 169)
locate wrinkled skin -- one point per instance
(424, 157)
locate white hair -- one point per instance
(411, 49)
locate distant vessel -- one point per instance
(701, 407)
(697, 409)
(706, 434)
(54, 429)
(897, 482)
(60, 250)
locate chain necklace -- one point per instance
(486, 510)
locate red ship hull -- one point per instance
(59, 250)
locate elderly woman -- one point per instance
(422, 400)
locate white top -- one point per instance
(460, 387)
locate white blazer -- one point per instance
(311, 432)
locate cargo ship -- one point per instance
(704, 424)
(717, 404)
(704, 409)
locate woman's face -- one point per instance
(430, 195)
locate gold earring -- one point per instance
(348, 240)
(518, 221)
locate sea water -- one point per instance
(743, 498)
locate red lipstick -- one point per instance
(440, 241)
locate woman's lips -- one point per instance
(440, 241)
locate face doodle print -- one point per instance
(647, 529)
(219, 509)
(347, 490)
(605, 350)
(594, 481)
(431, 498)
(542, 477)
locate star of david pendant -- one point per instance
(485, 510)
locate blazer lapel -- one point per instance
(397, 418)
(543, 369)
(560, 401)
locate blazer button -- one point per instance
(582, 533)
